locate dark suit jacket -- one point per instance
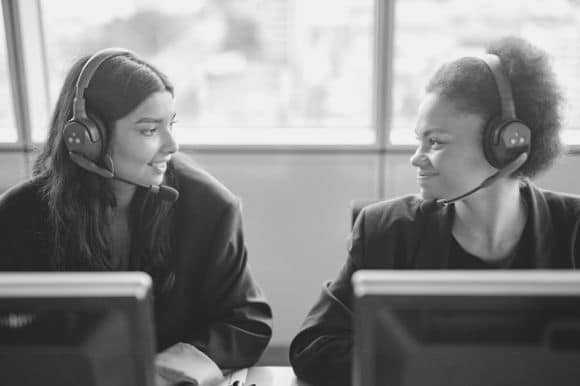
(396, 234)
(214, 303)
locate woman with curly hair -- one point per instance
(478, 144)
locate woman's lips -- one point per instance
(159, 167)
(426, 174)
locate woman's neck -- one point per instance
(123, 194)
(489, 223)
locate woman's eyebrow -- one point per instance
(153, 120)
(149, 120)
(428, 132)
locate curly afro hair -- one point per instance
(537, 96)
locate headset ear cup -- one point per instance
(490, 139)
(78, 139)
(84, 137)
(100, 129)
(504, 140)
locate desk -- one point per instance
(267, 376)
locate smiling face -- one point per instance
(142, 142)
(449, 158)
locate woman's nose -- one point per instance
(419, 158)
(170, 145)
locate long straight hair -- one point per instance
(79, 201)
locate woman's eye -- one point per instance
(148, 132)
(434, 142)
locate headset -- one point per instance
(504, 137)
(85, 134)
(506, 140)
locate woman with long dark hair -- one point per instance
(110, 193)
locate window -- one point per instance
(429, 32)
(245, 71)
(8, 131)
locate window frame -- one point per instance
(28, 66)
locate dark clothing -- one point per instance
(459, 258)
(519, 258)
(214, 303)
(397, 235)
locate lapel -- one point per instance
(540, 222)
(434, 231)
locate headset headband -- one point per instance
(86, 74)
(508, 110)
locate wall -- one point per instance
(296, 217)
(295, 209)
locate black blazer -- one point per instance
(396, 234)
(214, 303)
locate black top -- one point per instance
(396, 234)
(459, 258)
(519, 257)
(215, 304)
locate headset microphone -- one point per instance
(430, 206)
(164, 192)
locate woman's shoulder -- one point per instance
(401, 208)
(24, 195)
(398, 211)
(197, 185)
(557, 202)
